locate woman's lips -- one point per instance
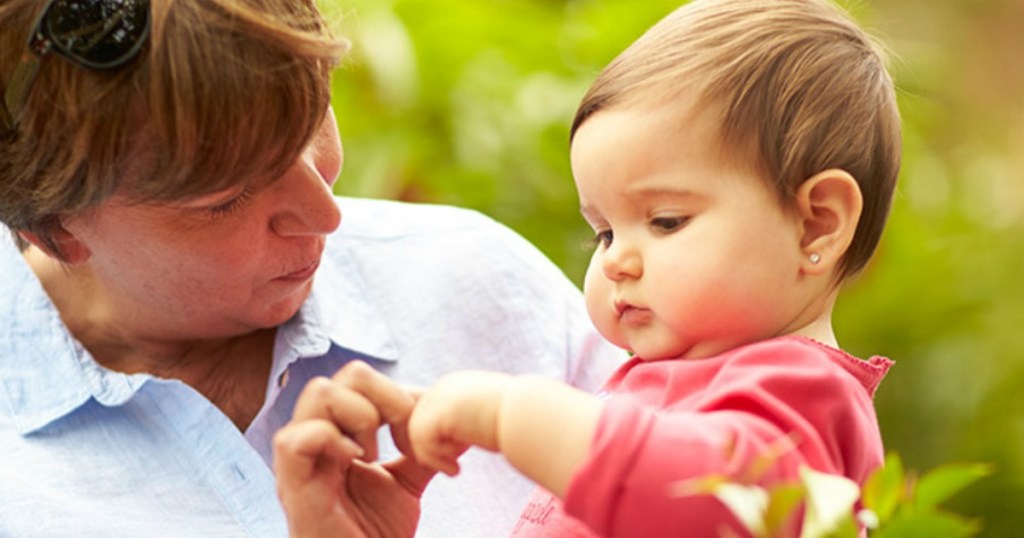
(301, 274)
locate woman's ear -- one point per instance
(829, 206)
(62, 246)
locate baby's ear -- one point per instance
(65, 246)
(829, 206)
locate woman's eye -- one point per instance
(668, 224)
(231, 205)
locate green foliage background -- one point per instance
(468, 103)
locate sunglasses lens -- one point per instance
(97, 33)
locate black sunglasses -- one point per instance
(95, 34)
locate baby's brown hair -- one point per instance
(800, 87)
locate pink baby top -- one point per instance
(668, 421)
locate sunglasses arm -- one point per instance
(18, 87)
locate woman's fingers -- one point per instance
(347, 410)
(357, 400)
(311, 447)
(392, 401)
(324, 489)
(310, 459)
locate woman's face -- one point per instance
(220, 265)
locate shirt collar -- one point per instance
(339, 311)
(44, 372)
(341, 305)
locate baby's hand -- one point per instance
(461, 410)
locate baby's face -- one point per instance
(695, 253)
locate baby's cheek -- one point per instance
(600, 307)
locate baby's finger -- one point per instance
(441, 459)
(400, 430)
(414, 392)
(431, 448)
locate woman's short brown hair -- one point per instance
(796, 81)
(224, 92)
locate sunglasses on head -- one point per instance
(95, 34)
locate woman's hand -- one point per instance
(325, 459)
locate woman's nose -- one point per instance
(620, 261)
(306, 204)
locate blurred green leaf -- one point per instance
(783, 501)
(885, 488)
(926, 524)
(942, 482)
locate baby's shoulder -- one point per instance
(804, 359)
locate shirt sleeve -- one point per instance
(634, 480)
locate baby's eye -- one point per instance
(602, 238)
(668, 224)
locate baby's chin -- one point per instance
(696, 351)
(653, 354)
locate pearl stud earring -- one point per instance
(815, 257)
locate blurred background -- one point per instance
(468, 103)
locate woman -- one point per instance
(176, 276)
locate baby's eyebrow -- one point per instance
(641, 189)
(588, 212)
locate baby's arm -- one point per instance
(543, 427)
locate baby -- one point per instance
(737, 165)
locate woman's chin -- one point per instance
(283, 309)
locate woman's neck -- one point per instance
(230, 371)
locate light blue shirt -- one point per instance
(415, 290)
